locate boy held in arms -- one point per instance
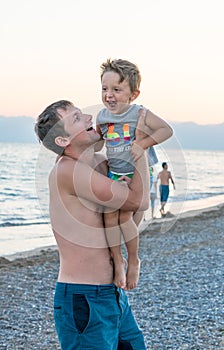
(117, 124)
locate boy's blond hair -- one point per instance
(127, 71)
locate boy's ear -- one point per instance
(135, 95)
(62, 141)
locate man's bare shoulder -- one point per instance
(62, 164)
(62, 171)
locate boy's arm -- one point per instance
(156, 130)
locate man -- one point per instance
(164, 176)
(90, 311)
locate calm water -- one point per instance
(24, 171)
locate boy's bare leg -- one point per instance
(137, 217)
(113, 236)
(131, 237)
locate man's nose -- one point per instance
(89, 117)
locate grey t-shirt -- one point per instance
(118, 132)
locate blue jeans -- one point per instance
(95, 317)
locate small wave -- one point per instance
(194, 196)
(13, 224)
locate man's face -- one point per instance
(78, 125)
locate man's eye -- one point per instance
(76, 118)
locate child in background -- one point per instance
(117, 125)
(153, 191)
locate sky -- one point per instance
(52, 50)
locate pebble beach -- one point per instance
(179, 301)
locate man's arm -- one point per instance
(81, 180)
(172, 181)
(99, 145)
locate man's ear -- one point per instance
(135, 94)
(62, 141)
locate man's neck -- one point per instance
(86, 156)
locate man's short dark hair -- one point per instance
(49, 125)
(164, 164)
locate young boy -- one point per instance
(117, 123)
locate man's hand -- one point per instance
(125, 179)
(136, 150)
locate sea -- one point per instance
(24, 170)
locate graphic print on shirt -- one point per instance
(113, 138)
(126, 131)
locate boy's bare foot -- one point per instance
(120, 272)
(132, 275)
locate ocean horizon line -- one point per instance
(169, 146)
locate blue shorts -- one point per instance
(164, 193)
(95, 317)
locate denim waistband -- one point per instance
(73, 288)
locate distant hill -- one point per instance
(199, 137)
(189, 135)
(17, 129)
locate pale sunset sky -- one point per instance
(52, 50)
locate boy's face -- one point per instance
(116, 96)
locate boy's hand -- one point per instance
(139, 132)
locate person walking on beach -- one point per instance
(153, 191)
(164, 176)
(116, 124)
(90, 311)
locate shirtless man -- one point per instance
(164, 176)
(89, 310)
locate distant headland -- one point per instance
(188, 134)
